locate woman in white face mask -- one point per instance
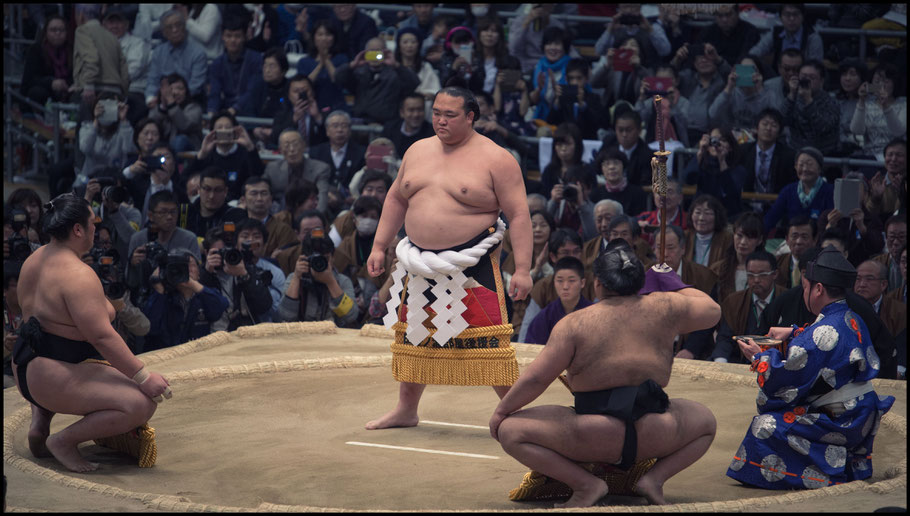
(350, 257)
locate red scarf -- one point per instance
(58, 59)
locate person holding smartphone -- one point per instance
(881, 111)
(743, 97)
(629, 22)
(378, 82)
(106, 139)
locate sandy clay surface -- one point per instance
(272, 420)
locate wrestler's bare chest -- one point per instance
(467, 181)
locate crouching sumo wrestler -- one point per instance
(617, 354)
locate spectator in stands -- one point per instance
(301, 112)
(229, 148)
(328, 294)
(627, 128)
(268, 95)
(707, 238)
(628, 228)
(549, 71)
(458, 58)
(148, 21)
(245, 288)
(350, 257)
(137, 52)
(511, 103)
(305, 223)
(343, 155)
(569, 280)
(179, 115)
(232, 74)
(11, 217)
(421, 20)
(160, 177)
(575, 102)
(793, 33)
(748, 235)
(732, 37)
(98, 62)
(810, 195)
(491, 55)
(741, 311)
(668, 19)
(604, 211)
(410, 126)
(542, 227)
(211, 208)
(48, 64)
(257, 198)
(570, 202)
(203, 23)
(355, 29)
(120, 219)
(28, 200)
(702, 76)
(716, 169)
(835, 238)
(295, 166)
(322, 62)
(302, 197)
(696, 345)
(182, 312)
(526, 34)
(179, 54)
(900, 294)
(378, 86)
(739, 106)
(620, 80)
(630, 23)
(802, 233)
(12, 318)
(476, 13)
(252, 235)
(104, 144)
(871, 284)
(888, 191)
(675, 106)
(407, 52)
(811, 114)
(788, 65)
(895, 239)
(262, 25)
(380, 156)
(612, 163)
(881, 111)
(432, 47)
(852, 73)
(489, 125)
(862, 229)
(768, 161)
(675, 213)
(566, 152)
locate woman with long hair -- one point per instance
(320, 63)
(852, 73)
(407, 53)
(748, 235)
(716, 169)
(707, 238)
(491, 55)
(48, 70)
(567, 149)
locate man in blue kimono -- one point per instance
(817, 410)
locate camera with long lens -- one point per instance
(19, 248)
(106, 268)
(570, 193)
(230, 255)
(714, 141)
(174, 271)
(804, 83)
(155, 253)
(110, 190)
(315, 247)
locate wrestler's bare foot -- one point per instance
(394, 419)
(586, 496)
(69, 455)
(650, 489)
(38, 432)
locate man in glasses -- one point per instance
(211, 208)
(741, 311)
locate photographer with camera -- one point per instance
(108, 197)
(228, 269)
(716, 169)
(179, 307)
(129, 321)
(150, 246)
(228, 147)
(161, 165)
(325, 293)
(570, 203)
(16, 245)
(211, 209)
(812, 115)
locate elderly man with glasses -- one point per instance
(179, 54)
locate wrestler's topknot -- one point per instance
(619, 269)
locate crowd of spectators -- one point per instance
(207, 222)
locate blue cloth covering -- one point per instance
(790, 444)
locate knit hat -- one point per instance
(813, 153)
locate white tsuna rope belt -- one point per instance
(446, 268)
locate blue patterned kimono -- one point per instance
(793, 445)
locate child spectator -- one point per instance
(569, 280)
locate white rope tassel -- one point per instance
(446, 269)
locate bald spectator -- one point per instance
(526, 33)
(179, 54)
(871, 284)
(294, 167)
(378, 85)
(98, 61)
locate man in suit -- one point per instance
(789, 308)
(604, 211)
(300, 112)
(698, 344)
(801, 235)
(344, 157)
(895, 240)
(871, 283)
(286, 173)
(159, 177)
(768, 160)
(627, 127)
(410, 126)
(741, 311)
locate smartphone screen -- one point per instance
(621, 60)
(744, 75)
(373, 55)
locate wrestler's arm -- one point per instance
(694, 310)
(508, 185)
(390, 222)
(555, 358)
